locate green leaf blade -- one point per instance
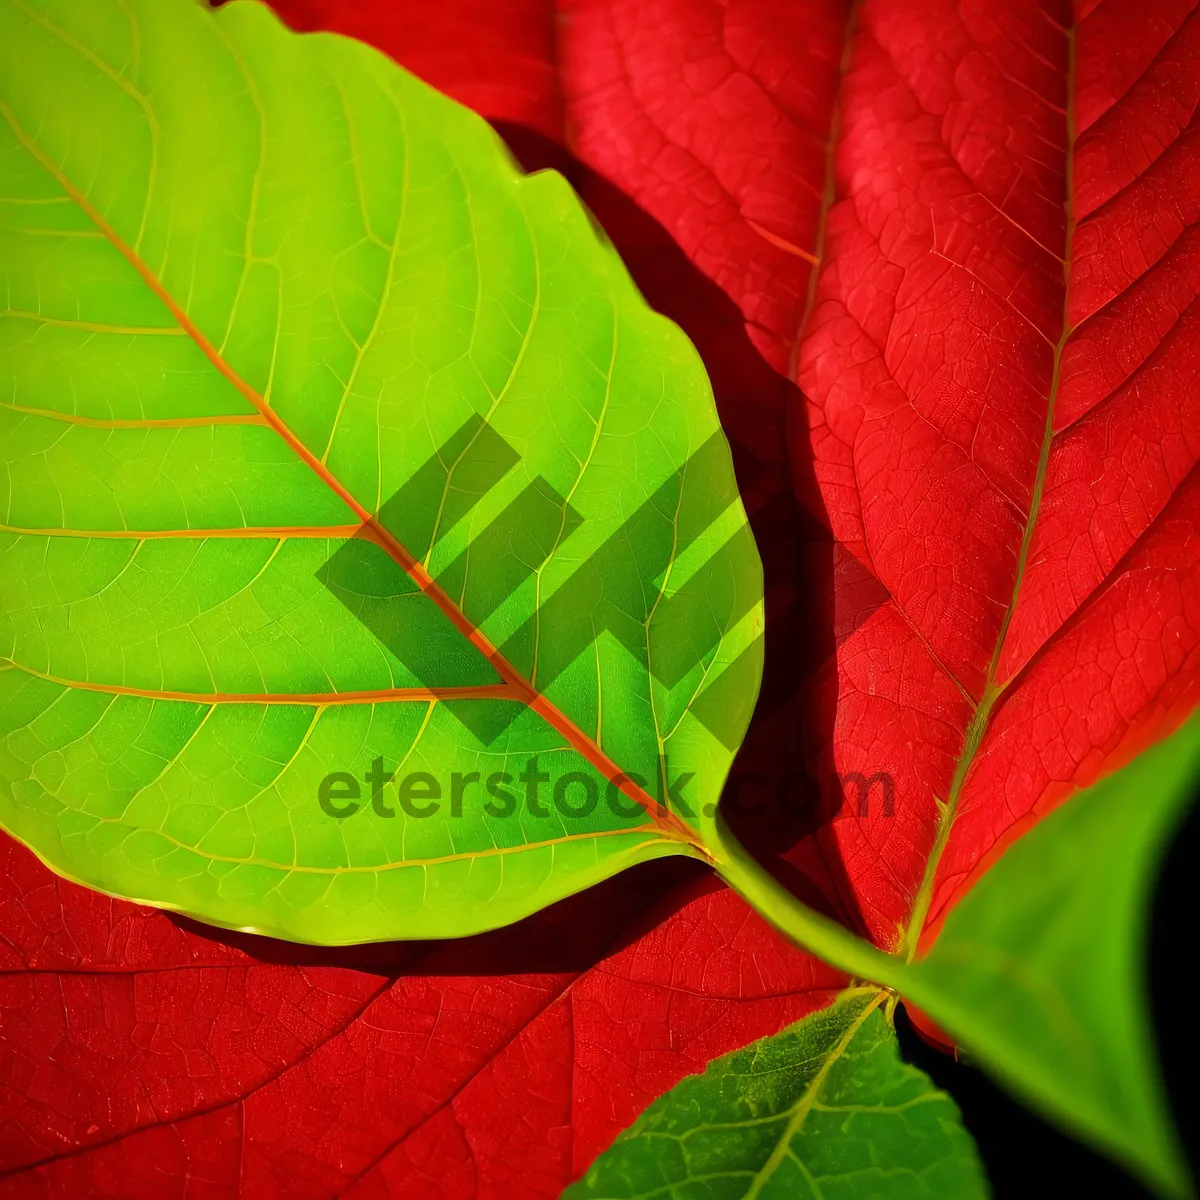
(259, 282)
(825, 1109)
(1041, 970)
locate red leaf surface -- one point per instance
(946, 287)
(143, 1056)
(1001, 369)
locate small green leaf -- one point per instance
(1040, 971)
(336, 448)
(825, 1110)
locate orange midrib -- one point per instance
(276, 532)
(136, 422)
(671, 825)
(483, 691)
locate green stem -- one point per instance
(831, 941)
(824, 937)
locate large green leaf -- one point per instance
(825, 1110)
(1040, 971)
(265, 292)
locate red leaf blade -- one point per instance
(137, 1053)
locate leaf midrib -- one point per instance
(478, 691)
(993, 691)
(671, 826)
(800, 1113)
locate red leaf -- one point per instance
(1005, 440)
(144, 1057)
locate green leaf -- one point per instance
(1040, 971)
(825, 1110)
(332, 440)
